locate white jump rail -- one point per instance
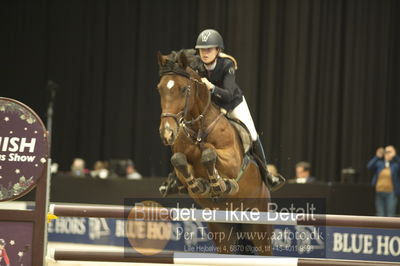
(181, 258)
(218, 216)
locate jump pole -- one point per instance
(218, 216)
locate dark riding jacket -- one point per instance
(226, 94)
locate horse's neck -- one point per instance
(201, 103)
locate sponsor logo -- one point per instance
(205, 35)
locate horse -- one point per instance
(208, 156)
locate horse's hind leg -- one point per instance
(219, 185)
(196, 186)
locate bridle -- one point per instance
(171, 68)
(180, 117)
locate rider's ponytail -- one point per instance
(224, 55)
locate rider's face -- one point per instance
(208, 55)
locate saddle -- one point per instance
(243, 132)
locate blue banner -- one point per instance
(293, 241)
(363, 243)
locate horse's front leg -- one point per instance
(195, 185)
(219, 186)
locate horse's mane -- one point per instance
(194, 62)
(194, 65)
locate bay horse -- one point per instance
(208, 156)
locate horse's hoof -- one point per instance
(219, 186)
(207, 187)
(233, 186)
(163, 191)
(200, 187)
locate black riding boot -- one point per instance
(273, 182)
(172, 185)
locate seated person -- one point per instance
(272, 169)
(100, 170)
(78, 168)
(303, 176)
(131, 172)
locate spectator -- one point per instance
(123, 168)
(386, 179)
(78, 168)
(131, 172)
(272, 169)
(303, 173)
(100, 170)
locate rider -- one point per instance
(219, 76)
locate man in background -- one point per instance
(303, 173)
(386, 167)
(78, 168)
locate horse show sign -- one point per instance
(23, 149)
(24, 159)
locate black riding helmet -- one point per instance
(209, 38)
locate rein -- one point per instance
(199, 136)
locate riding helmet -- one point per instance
(209, 38)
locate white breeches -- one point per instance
(242, 113)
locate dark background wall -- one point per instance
(320, 77)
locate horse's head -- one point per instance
(175, 88)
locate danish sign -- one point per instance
(23, 149)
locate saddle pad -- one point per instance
(243, 133)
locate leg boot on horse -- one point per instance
(172, 185)
(219, 186)
(198, 186)
(273, 182)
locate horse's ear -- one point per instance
(183, 61)
(161, 59)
